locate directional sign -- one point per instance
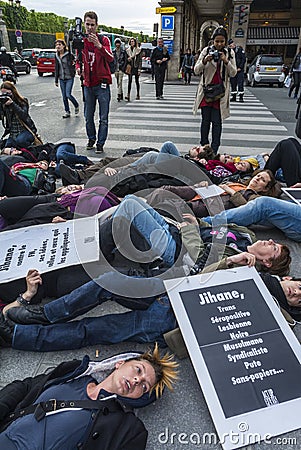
(166, 10)
(167, 22)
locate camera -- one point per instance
(5, 97)
(76, 35)
(215, 53)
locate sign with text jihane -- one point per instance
(246, 357)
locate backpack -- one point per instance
(112, 64)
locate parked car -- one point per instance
(22, 65)
(266, 69)
(146, 49)
(46, 61)
(31, 55)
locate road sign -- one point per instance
(18, 33)
(168, 22)
(19, 39)
(166, 10)
(169, 44)
(59, 36)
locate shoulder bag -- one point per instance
(37, 139)
(214, 92)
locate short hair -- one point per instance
(165, 369)
(92, 16)
(280, 266)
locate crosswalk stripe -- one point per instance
(150, 122)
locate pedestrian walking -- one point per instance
(237, 82)
(159, 59)
(295, 72)
(96, 56)
(65, 73)
(134, 61)
(187, 66)
(216, 64)
(120, 61)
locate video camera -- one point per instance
(76, 35)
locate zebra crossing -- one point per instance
(251, 128)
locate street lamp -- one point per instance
(16, 4)
(141, 34)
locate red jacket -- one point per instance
(95, 62)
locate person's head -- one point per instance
(133, 42)
(68, 189)
(160, 42)
(264, 182)
(147, 373)
(220, 38)
(3, 49)
(231, 43)
(60, 45)
(226, 158)
(7, 87)
(117, 43)
(273, 257)
(43, 164)
(243, 166)
(292, 290)
(188, 51)
(90, 22)
(201, 152)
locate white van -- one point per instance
(147, 49)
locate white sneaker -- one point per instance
(76, 111)
(66, 115)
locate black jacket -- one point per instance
(69, 58)
(296, 62)
(109, 430)
(160, 54)
(21, 111)
(122, 60)
(240, 58)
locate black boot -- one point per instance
(233, 98)
(118, 97)
(28, 315)
(241, 98)
(6, 332)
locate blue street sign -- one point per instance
(167, 22)
(169, 44)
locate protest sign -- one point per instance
(48, 247)
(294, 194)
(245, 356)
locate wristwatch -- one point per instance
(21, 300)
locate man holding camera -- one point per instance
(93, 66)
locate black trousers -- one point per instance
(286, 156)
(237, 83)
(211, 115)
(295, 84)
(159, 79)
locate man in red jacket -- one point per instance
(96, 56)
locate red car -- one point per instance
(46, 61)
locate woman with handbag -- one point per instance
(216, 64)
(65, 73)
(133, 67)
(16, 120)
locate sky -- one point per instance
(134, 15)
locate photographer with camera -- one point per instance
(16, 120)
(94, 55)
(216, 64)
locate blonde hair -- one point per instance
(165, 369)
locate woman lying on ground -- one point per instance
(66, 202)
(236, 194)
(90, 403)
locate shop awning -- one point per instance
(273, 35)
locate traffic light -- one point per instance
(243, 11)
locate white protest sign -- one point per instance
(246, 357)
(48, 247)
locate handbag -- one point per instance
(44, 182)
(288, 81)
(214, 92)
(128, 69)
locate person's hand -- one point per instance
(139, 72)
(224, 57)
(201, 184)
(242, 259)
(238, 69)
(9, 102)
(52, 164)
(16, 152)
(164, 59)
(92, 37)
(109, 171)
(227, 189)
(297, 185)
(190, 218)
(78, 71)
(203, 161)
(207, 58)
(58, 219)
(159, 61)
(3, 198)
(33, 281)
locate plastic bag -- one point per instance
(287, 81)
(180, 75)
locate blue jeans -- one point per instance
(167, 149)
(66, 152)
(66, 89)
(211, 115)
(137, 326)
(151, 226)
(103, 96)
(23, 140)
(265, 211)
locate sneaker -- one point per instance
(69, 176)
(66, 115)
(76, 111)
(90, 145)
(161, 97)
(158, 98)
(99, 148)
